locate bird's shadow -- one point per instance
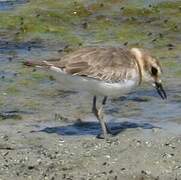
(93, 128)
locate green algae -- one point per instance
(171, 64)
(12, 89)
(2, 100)
(170, 5)
(178, 73)
(128, 33)
(31, 20)
(31, 104)
(39, 75)
(61, 21)
(132, 11)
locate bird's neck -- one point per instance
(139, 61)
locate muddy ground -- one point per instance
(46, 133)
(38, 149)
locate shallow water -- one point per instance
(9, 4)
(34, 94)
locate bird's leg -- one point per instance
(99, 115)
(94, 108)
(103, 104)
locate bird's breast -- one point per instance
(116, 89)
(92, 85)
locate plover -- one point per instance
(106, 72)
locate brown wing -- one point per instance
(113, 64)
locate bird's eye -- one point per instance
(154, 71)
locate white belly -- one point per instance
(93, 86)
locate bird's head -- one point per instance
(150, 70)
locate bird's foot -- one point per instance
(106, 136)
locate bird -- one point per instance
(106, 72)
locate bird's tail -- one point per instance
(31, 63)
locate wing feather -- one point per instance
(109, 64)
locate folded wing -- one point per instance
(109, 64)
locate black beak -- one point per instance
(160, 90)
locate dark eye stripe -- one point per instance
(154, 71)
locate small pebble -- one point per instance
(167, 155)
(177, 167)
(10, 59)
(101, 5)
(60, 50)
(104, 163)
(170, 45)
(145, 172)
(111, 171)
(5, 137)
(125, 44)
(85, 25)
(107, 156)
(160, 35)
(30, 167)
